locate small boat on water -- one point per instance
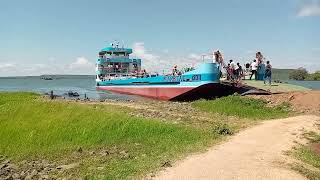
(72, 94)
(46, 78)
(117, 72)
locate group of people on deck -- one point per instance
(235, 72)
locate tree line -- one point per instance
(302, 74)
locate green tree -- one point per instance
(314, 77)
(299, 74)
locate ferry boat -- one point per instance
(117, 72)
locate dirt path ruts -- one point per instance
(255, 153)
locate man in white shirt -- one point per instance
(232, 64)
(233, 68)
(254, 67)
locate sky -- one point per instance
(64, 36)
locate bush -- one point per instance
(222, 129)
(299, 74)
(314, 77)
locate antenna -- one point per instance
(117, 44)
(122, 44)
(202, 57)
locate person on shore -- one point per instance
(268, 73)
(239, 71)
(247, 70)
(228, 69)
(259, 57)
(232, 70)
(254, 67)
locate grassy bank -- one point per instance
(115, 141)
(309, 157)
(33, 128)
(242, 107)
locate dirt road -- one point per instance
(255, 153)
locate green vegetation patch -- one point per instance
(308, 155)
(33, 128)
(310, 174)
(242, 107)
(302, 74)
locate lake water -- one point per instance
(60, 86)
(307, 84)
(83, 85)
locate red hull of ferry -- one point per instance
(162, 93)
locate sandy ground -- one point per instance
(255, 153)
(301, 101)
(276, 87)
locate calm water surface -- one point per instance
(60, 86)
(308, 84)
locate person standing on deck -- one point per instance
(216, 56)
(175, 70)
(219, 60)
(268, 73)
(259, 57)
(254, 67)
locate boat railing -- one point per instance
(122, 76)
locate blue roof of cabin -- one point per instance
(114, 49)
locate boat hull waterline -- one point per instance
(161, 93)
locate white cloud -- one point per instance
(81, 61)
(155, 63)
(149, 60)
(9, 69)
(309, 10)
(166, 51)
(140, 52)
(81, 65)
(249, 52)
(194, 56)
(6, 65)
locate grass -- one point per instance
(307, 155)
(242, 107)
(310, 174)
(308, 158)
(32, 128)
